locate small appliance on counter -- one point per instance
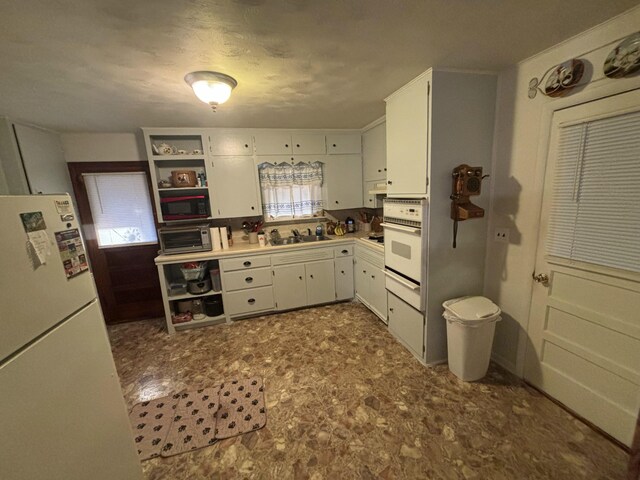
(185, 239)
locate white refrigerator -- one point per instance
(63, 413)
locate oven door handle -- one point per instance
(402, 228)
(401, 280)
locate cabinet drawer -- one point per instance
(343, 251)
(241, 279)
(303, 256)
(247, 301)
(243, 263)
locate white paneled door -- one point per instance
(584, 325)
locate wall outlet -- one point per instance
(501, 235)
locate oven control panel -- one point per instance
(410, 209)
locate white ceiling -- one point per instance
(116, 65)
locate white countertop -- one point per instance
(244, 247)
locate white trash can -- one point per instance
(471, 323)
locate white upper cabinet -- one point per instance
(308, 144)
(273, 143)
(374, 153)
(278, 143)
(233, 187)
(343, 180)
(344, 143)
(231, 144)
(407, 125)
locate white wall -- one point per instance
(519, 160)
(103, 147)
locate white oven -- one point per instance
(405, 248)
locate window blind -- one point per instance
(121, 208)
(595, 211)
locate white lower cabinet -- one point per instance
(258, 283)
(406, 324)
(289, 286)
(299, 285)
(321, 284)
(370, 284)
(344, 278)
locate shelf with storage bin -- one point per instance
(174, 282)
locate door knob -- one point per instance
(542, 278)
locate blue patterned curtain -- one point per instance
(291, 191)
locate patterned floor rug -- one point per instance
(193, 419)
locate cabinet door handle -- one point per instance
(298, 145)
(248, 279)
(373, 276)
(247, 263)
(389, 182)
(300, 277)
(337, 201)
(345, 251)
(246, 145)
(379, 170)
(364, 271)
(311, 276)
(334, 144)
(251, 301)
(286, 145)
(253, 208)
(391, 309)
(385, 169)
(342, 272)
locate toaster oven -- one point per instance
(185, 239)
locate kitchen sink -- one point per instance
(301, 239)
(313, 238)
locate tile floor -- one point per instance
(346, 401)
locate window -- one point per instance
(595, 216)
(121, 208)
(291, 191)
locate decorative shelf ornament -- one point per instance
(624, 59)
(560, 79)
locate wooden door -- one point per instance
(584, 327)
(289, 286)
(321, 287)
(126, 277)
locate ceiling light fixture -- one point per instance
(213, 88)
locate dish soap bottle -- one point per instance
(351, 225)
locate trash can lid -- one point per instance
(472, 308)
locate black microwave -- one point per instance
(186, 239)
(184, 208)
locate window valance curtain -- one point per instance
(291, 191)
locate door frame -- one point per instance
(598, 92)
(100, 268)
